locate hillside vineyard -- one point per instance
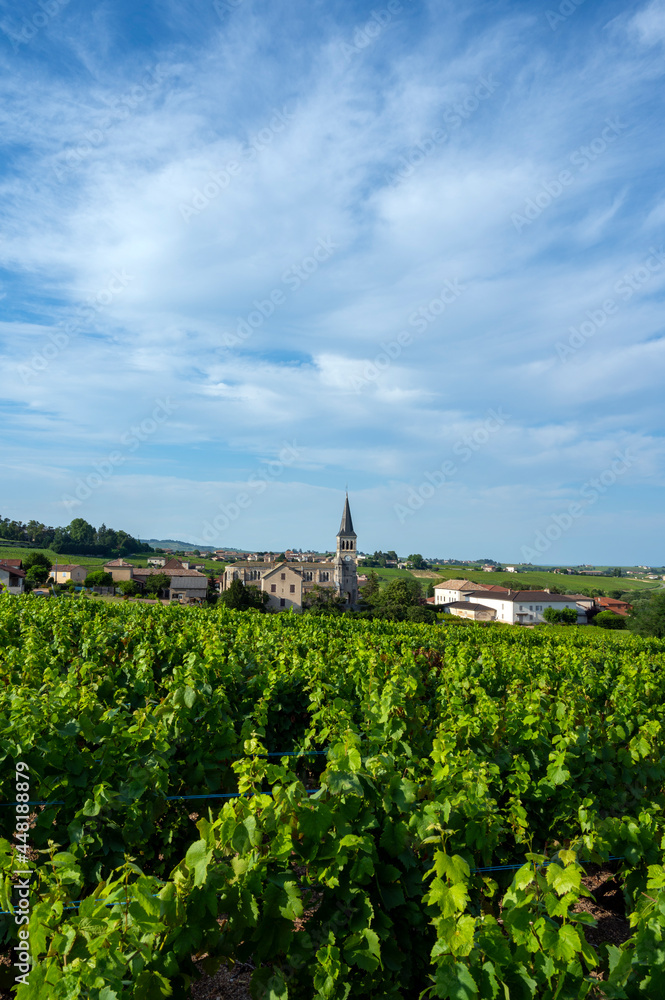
(359, 809)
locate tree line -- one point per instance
(77, 538)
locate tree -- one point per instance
(399, 595)
(648, 616)
(37, 574)
(211, 591)
(80, 531)
(156, 582)
(417, 561)
(238, 597)
(370, 591)
(608, 619)
(560, 616)
(37, 559)
(127, 587)
(323, 601)
(98, 578)
(616, 594)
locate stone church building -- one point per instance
(287, 583)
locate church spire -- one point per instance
(346, 527)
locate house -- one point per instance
(454, 590)
(468, 609)
(525, 607)
(12, 577)
(119, 569)
(489, 568)
(511, 569)
(156, 560)
(292, 581)
(64, 573)
(185, 585)
(622, 608)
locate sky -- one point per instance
(256, 252)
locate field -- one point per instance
(97, 562)
(350, 808)
(539, 580)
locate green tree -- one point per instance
(238, 597)
(397, 597)
(128, 587)
(157, 582)
(417, 561)
(369, 593)
(648, 615)
(608, 619)
(37, 559)
(98, 578)
(323, 601)
(560, 616)
(80, 531)
(37, 574)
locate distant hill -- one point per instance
(175, 543)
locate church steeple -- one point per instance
(346, 527)
(346, 574)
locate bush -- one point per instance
(98, 578)
(608, 619)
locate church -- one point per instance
(287, 583)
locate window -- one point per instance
(307, 576)
(531, 607)
(273, 588)
(539, 607)
(282, 576)
(323, 577)
(292, 588)
(282, 602)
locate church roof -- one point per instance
(346, 527)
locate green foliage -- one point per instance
(157, 582)
(560, 616)
(323, 601)
(238, 597)
(127, 587)
(98, 578)
(608, 619)
(448, 750)
(648, 617)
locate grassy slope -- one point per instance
(95, 562)
(538, 580)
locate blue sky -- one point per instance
(252, 252)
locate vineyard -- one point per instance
(358, 809)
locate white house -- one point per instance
(452, 590)
(525, 607)
(12, 576)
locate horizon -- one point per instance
(252, 254)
